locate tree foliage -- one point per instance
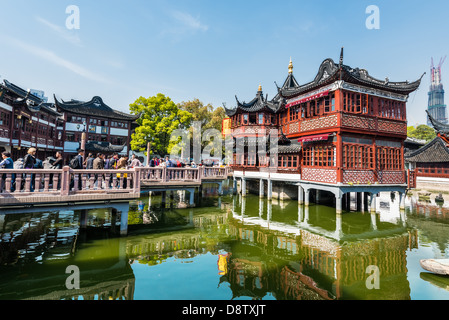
(209, 117)
(422, 132)
(159, 117)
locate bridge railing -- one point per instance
(186, 174)
(23, 182)
(214, 172)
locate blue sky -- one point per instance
(213, 50)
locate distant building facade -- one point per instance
(436, 106)
(28, 120)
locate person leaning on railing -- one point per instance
(122, 164)
(8, 163)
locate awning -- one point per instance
(321, 137)
(313, 97)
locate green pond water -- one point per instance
(225, 248)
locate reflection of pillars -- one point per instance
(172, 197)
(306, 214)
(192, 196)
(338, 226)
(243, 207)
(358, 201)
(191, 217)
(401, 201)
(317, 196)
(261, 188)
(300, 213)
(243, 187)
(374, 220)
(403, 218)
(83, 219)
(373, 202)
(220, 188)
(149, 200)
(261, 207)
(234, 187)
(219, 202)
(306, 197)
(338, 204)
(164, 199)
(124, 223)
(300, 195)
(269, 211)
(269, 189)
(113, 220)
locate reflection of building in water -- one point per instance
(36, 248)
(310, 265)
(431, 220)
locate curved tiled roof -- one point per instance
(330, 72)
(435, 151)
(259, 103)
(94, 107)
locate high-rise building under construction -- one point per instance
(436, 107)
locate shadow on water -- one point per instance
(240, 248)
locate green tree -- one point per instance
(422, 132)
(209, 117)
(159, 117)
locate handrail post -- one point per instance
(136, 181)
(65, 181)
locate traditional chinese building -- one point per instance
(107, 130)
(344, 132)
(432, 160)
(28, 121)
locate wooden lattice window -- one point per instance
(357, 156)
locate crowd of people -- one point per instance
(97, 162)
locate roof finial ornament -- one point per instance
(341, 57)
(290, 66)
(260, 88)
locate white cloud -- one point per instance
(52, 57)
(70, 36)
(189, 21)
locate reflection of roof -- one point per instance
(96, 146)
(94, 107)
(435, 151)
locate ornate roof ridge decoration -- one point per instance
(437, 125)
(259, 103)
(32, 102)
(329, 72)
(435, 151)
(94, 107)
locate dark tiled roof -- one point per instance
(96, 146)
(435, 151)
(95, 107)
(437, 125)
(33, 103)
(291, 148)
(330, 72)
(259, 103)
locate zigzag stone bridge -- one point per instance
(29, 187)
